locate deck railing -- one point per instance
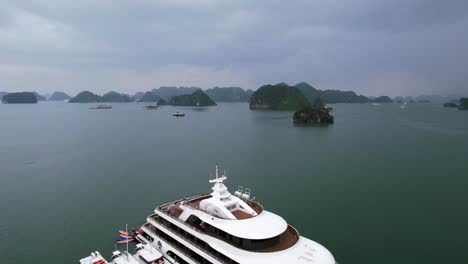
(185, 238)
(181, 249)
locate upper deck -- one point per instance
(239, 214)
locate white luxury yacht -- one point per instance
(221, 228)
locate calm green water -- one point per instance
(382, 185)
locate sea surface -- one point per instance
(381, 185)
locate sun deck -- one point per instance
(240, 215)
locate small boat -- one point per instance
(102, 107)
(123, 232)
(151, 107)
(178, 114)
(124, 241)
(126, 236)
(375, 104)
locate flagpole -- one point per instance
(126, 231)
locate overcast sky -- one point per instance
(397, 47)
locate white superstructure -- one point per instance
(225, 228)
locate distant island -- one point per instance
(115, 97)
(330, 96)
(317, 113)
(451, 105)
(382, 99)
(278, 97)
(197, 98)
(462, 104)
(167, 92)
(40, 97)
(59, 96)
(86, 97)
(229, 94)
(110, 97)
(20, 98)
(150, 97)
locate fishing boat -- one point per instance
(102, 107)
(178, 114)
(151, 107)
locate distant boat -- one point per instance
(403, 106)
(152, 107)
(178, 114)
(102, 107)
(375, 104)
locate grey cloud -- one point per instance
(373, 47)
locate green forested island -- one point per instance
(197, 98)
(278, 97)
(464, 103)
(20, 98)
(317, 113)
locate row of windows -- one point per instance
(206, 247)
(179, 246)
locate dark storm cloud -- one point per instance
(374, 47)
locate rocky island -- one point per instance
(318, 113)
(59, 96)
(20, 98)
(278, 97)
(197, 98)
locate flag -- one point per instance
(212, 174)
